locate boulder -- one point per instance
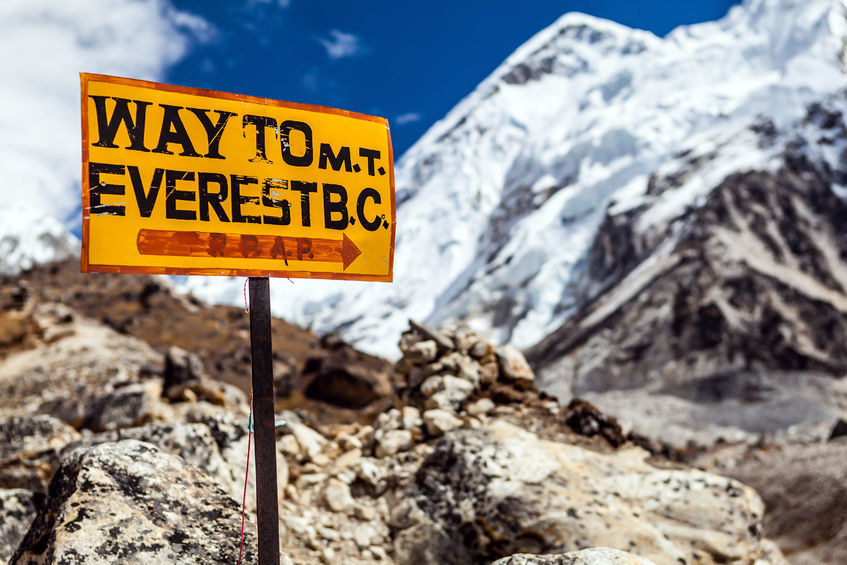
(216, 445)
(446, 392)
(480, 349)
(498, 490)
(185, 378)
(411, 419)
(128, 502)
(481, 406)
(124, 407)
(193, 442)
(337, 496)
(311, 442)
(29, 450)
(804, 488)
(341, 383)
(182, 368)
(513, 365)
(17, 511)
(593, 556)
(393, 442)
(439, 422)
(93, 378)
(342, 376)
(421, 352)
(586, 419)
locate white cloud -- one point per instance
(407, 118)
(46, 44)
(341, 44)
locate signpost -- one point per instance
(196, 182)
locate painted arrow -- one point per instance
(233, 245)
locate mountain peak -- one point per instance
(500, 202)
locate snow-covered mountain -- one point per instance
(30, 236)
(732, 321)
(500, 202)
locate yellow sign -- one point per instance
(188, 181)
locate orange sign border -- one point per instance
(87, 267)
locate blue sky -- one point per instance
(407, 61)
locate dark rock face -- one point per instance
(338, 383)
(193, 442)
(182, 368)
(746, 307)
(838, 430)
(346, 377)
(586, 419)
(127, 502)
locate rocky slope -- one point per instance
(111, 450)
(307, 367)
(729, 321)
(29, 237)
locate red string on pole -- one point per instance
(246, 477)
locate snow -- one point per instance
(28, 237)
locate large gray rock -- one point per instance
(499, 490)
(193, 442)
(593, 556)
(128, 502)
(29, 450)
(185, 378)
(513, 365)
(93, 378)
(804, 488)
(21, 435)
(126, 405)
(17, 511)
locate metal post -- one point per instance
(267, 509)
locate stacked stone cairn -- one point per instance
(346, 480)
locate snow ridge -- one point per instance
(499, 202)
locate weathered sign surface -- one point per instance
(188, 181)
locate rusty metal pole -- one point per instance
(267, 506)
